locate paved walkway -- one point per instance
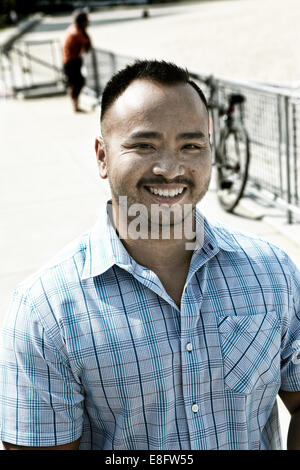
(49, 188)
(243, 39)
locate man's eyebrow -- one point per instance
(158, 135)
(145, 135)
(191, 135)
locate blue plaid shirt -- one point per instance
(93, 346)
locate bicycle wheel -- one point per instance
(232, 161)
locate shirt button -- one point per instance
(195, 408)
(189, 347)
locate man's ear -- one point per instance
(101, 157)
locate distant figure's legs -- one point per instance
(75, 81)
(74, 90)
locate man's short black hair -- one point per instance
(80, 16)
(159, 71)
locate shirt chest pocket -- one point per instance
(250, 347)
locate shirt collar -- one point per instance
(104, 248)
(217, 235)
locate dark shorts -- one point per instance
(73, 73)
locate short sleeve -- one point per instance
(290, 352)
(41, 402)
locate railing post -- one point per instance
(54, 59)
(288, 160)
(29, 64)
(216, 120)
(113, 63)
(294, 114)
(11, 71)
(21, 67)
(96, 73)
(280, 141)
(2, 71)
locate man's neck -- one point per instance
(157, 253)
(169, 258)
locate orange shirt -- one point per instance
(75, 43)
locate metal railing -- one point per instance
(271, 114)
(270, 117)
(30, 65)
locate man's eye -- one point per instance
(192, 147)
(142, 146)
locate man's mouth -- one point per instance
(167, 195)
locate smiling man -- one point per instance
(130, 339)
(155, 151)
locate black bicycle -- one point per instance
(232, 147)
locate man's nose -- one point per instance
(169, 165)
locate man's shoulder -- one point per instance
(248, 244)
(63, 268)
(72, 34)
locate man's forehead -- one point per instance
(142, 91)
(144, 97)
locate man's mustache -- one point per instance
(162, 180)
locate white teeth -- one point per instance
(166, 192)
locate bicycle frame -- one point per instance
(231, 166)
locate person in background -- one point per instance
(76, 42)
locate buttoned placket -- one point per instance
(190, 308)
(192, 359)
